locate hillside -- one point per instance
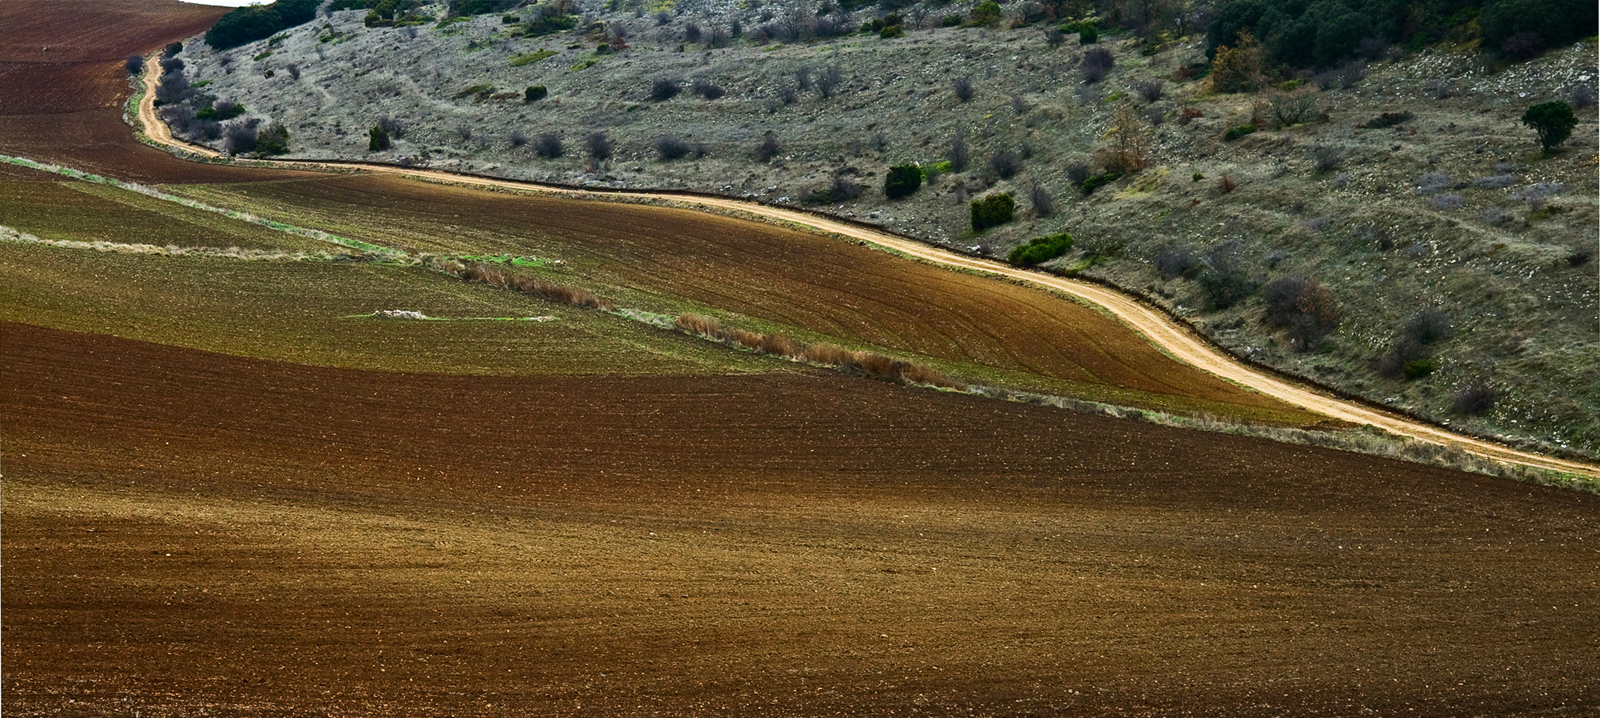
(1449, 209)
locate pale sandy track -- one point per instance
(1162, 330)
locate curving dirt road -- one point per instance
(1159, 328)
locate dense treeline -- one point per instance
(259, 22)
(1319, 34)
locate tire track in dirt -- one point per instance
(1161, 330)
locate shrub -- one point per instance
(1288, 109)
(1428, 326)
(1189, 114)
(1302, 307)
(535, 93)
(1005, 163)
(986, 13)
(172, 49)
(1419, 368)
(1239, 68)
(1523, 46)
(1150, 90)
(1387, 119)
(133, 65)
(1040, 250)
(828, 81)
(548, 146)
(1174, 262)
(1043, 204)
(1100, 59)
(478, 93)
(671, 147)
(1327, 158)
(841, 189)
(258, 22)
(706, 89)
(1553, 121)
(1053, 37)
(1096, 182)
(902, 181)
(1580, 96)
(1474, 399)
(663, 89)
(1429, 183)
(273, 141)
(1222, 276)
(958, 153)
(599, 146)
(992, 211)
(1225, 184)
(769, 148)
(1237, 132)
(1445, 201)
(1088, 35)
(377, 140)
(962, 87)
(1078, 173)
(240, 138)
(516, 139)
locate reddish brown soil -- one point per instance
(814, 282)
(186, 530)
(62, 84)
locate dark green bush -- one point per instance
(273, 141)
(987, 13)
(534, 93)
(377, 140)
(1553, 121)
(220, 111)
(259, 22)
(172, 49)
(1040, 250)
(992, 211)
(1557, 22)
(950, 21)
(1419, 368)
(902, 181)
(1238, 132)
(1096, 182)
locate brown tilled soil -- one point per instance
(188, 532)
(63, 84)
(816, 283)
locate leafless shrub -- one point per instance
(1019, 105)
(663, 18)
(1225, 184)
(959, 157)
(1430, 183)
(1439, 89)
(664, 89)
(691, 32)
(828, 82)
(293, 70)
(1155, 115)
(1302, 307)
(1174, 262)
(962, 87)
(240, 138)
(1043, 204)
(671, 147)
(174, 88)
(1351, 73)
(1445, 201)
(392, 127)
(802, 78)
(1495, 216)
(1078, 172)
(1580, 96)
(464, 132)
(1474, 399)
(1005, 163)
(1288, 109)
(548, 146)
(706, 89)
(599, 146)
(1099, 57)
(1327, 157)
(768, 148)
(1537, 195)
(1054, 37)
(1495, 181)
(1371, 233)
(1429, 326)
(1151, 90)
(1091, 74)
(517, 139)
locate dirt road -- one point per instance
(1159, 328)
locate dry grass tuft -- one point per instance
(558, 293)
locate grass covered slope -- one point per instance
(1447, 207)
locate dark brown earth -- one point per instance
(188, 530)
(64, 84)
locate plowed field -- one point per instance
(189, 531)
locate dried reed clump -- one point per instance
(871, 364)
(558, 293)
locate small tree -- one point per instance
(992, 211)
(377, 140)
(902, 181)
(1553, 121)
(769, 148)
(599, 146)
(1130, 140)
(134, 64)
(1238, 68)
